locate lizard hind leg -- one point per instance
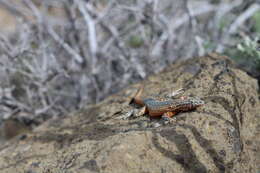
(176, 92)
(167, 116)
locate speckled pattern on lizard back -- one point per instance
(168, 107)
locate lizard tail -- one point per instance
(137, 98)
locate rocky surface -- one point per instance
(222, 136)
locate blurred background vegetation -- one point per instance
(60, 55)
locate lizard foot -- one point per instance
(168, 120)
(167, 117)
(176, 92)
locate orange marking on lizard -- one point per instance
(169, 107)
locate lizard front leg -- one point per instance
(167, 116)
(141, 112)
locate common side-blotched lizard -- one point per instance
(166, 108)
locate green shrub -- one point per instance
(256, 19)
(247, 55)
(135, 41)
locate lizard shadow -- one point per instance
(187, 158)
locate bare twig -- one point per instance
(91, 29)
(71, 51)
(243, 17)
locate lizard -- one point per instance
(166, 108)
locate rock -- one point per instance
(222, 136)
(13, 127)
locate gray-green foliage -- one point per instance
(256, 20)
(247, 55)
(135, 41)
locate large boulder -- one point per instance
(221, 136)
